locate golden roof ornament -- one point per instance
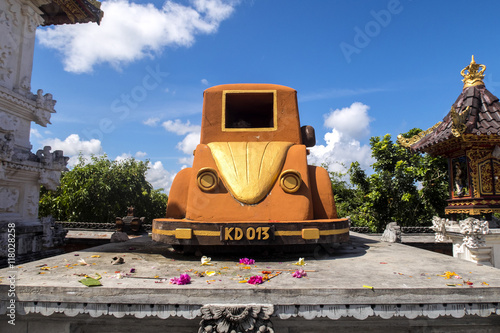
(458, 119)
(473, 77)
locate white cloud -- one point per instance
(339, 152)
(159, 177)
(186, 161)
(151, 121)
(35, 133)
(123, 157)
(353, 121)
(131, 31)
(140, 154)
(73, 146)
(342, 144)
(191, 139)
(189, 143)
(180, 128)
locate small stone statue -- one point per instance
(392, 233)
(129, 223)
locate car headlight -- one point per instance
(207, 179)
(290, 181)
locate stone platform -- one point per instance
(365, 285)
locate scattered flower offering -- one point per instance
(132, 270)
(257, 279)
(449, 275)
(301, 262)
(205, 261)
(247, 261)
(182, 279)
(299, 273)
(83, 262)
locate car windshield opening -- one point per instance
(249, 110)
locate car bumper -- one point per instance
(187, 232)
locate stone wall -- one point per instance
(21, 171)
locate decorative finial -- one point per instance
(473, 77)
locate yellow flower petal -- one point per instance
(205, 261)
(301, 262)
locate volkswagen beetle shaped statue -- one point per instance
(250, 183)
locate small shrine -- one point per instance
(469, 137)
(129, 224)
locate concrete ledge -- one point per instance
(309, 312)
(364, 279)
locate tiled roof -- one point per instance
(71, 12)
(482, 117)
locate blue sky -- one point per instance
(132, 87)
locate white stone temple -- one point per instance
(21, 171)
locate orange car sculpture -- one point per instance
(250, 183)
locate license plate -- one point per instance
(257, 233)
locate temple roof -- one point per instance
(476, 111)
(71, 12)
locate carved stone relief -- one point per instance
(439, 226)
(236, 318)
(5, 54)
(53, 233)
(44, 107)
(9, 18)
(50, 179)
(55, 160)
(6, 145)
(33, 20)
(14, 12)
(8, 122)
(9, 197)
(32, 199)
(473, 231)
(2, 171)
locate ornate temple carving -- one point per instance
(468, 135)
(6, 145)
(236, 318)
(473, 231)
(459, 118)
(407, 142)
(439, 225)
(472, 75)
(21, 171)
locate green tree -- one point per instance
(101, 190)
(405, 187)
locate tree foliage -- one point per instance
(101, 190)
(405, 187)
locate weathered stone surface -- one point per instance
(362, 282)
(118, 237)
